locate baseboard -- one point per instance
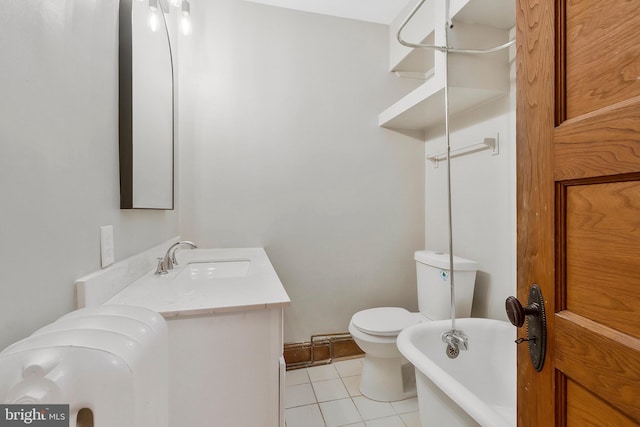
(320, 350)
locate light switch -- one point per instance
(107, 256)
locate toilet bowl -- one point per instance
(386, 374)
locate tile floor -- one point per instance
(328, 396)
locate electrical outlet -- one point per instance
(107, 256)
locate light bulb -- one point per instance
(153, 5)
(186, 25)
(186, 7)
(153, 20)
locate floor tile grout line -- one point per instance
(324, 421)
(362, 419)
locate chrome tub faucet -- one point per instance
(456, 340)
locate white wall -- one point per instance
(483, 199)
(59, 158)
(281, 149)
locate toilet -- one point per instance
(386, 375)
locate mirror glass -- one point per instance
(146, 108)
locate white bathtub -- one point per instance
(476, 388)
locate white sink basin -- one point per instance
(203, 270)
(209, 281)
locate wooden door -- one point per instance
(578, 154)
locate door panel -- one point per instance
(585, 410)
(601, 359)
(603, 54)
(602, 253)
(578, 155)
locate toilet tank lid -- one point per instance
(441, 260)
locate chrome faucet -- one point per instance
(175, 246)
(456, 340)
(169, 261)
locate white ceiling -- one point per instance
(380, 11)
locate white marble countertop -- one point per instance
(180, 293)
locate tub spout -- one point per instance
(456, 339)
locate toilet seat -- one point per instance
(384, 321)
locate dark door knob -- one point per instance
(517, 313)
(534, 314)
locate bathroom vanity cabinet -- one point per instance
(225, 369)
(224, 311)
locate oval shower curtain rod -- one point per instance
(443, 48)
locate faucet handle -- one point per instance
(161, 268)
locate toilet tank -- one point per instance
(434, 284)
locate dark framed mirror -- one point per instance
(146, 106)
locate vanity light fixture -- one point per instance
(153, 15)
(185, 7)
(186, 22)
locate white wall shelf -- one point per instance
(473, 79)
(422, 29)
(424, 106)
